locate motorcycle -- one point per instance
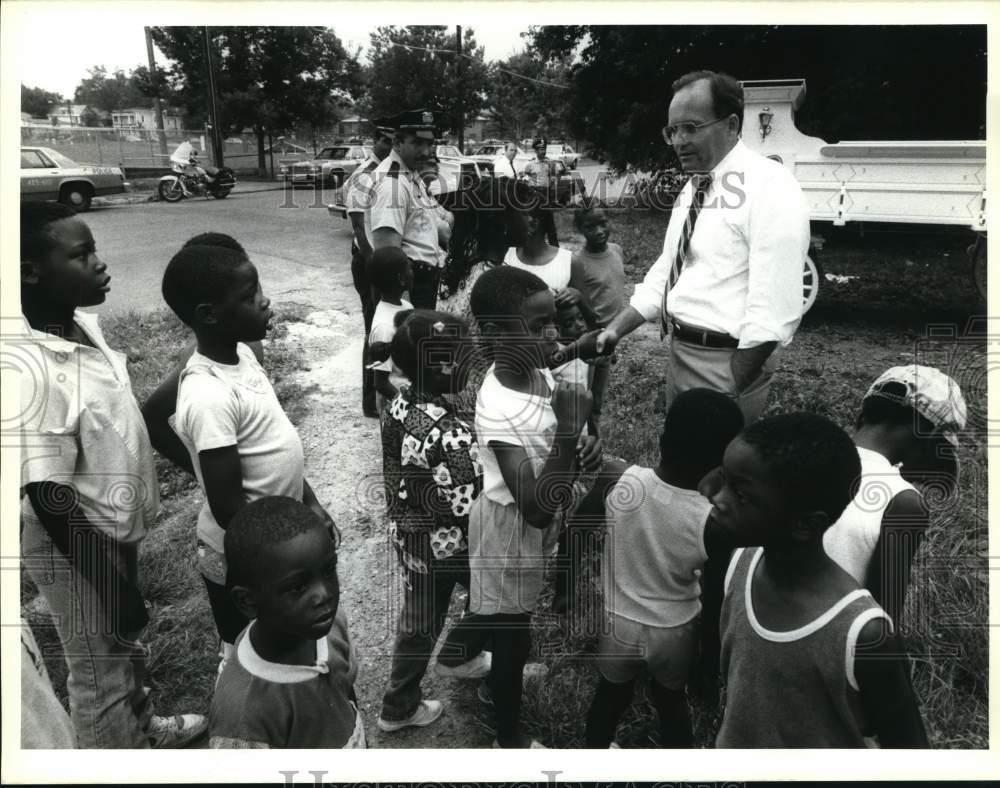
(182, 183)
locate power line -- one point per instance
(412, 47)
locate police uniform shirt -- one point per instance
(539, 172)
(402, 203)
(359, 193)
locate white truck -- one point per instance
(935, 182)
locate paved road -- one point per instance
(302, 253)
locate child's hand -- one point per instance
(568, 296)
(606, 341)
(572, 406)
(590, 452)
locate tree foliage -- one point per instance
(37, 102)
(401, 77)
(522, 107)
(108, 92)
(864, 82)
(270, 79)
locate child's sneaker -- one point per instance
(426, 713)
(534, 744)
(168, 733)
(475, 668)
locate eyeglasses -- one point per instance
(687, 129)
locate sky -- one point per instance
(123, 46)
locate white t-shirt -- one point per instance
(554, 273)
(235, 405)
(508, 416)
(852, 539)
(383, 330)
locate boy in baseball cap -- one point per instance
(907, 434)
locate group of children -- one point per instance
(808, 655)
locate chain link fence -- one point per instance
(148, 148)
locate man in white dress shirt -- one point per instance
(503, 166)
(728, 284)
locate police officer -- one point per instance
(541, 174)
(403, 212)
(358, 195)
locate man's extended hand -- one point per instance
(606, 341)
(747, 363)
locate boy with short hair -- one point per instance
(809, 658)
(597, 272)
(290, 683)
(241, 443)
(909, 418)
(658, 538)
(84, 454)
(391, 274)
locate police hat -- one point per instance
(538, 143)
(384, 127)
(422, 123)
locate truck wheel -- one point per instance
(77, 196)
(810, 284)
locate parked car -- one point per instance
(485, 155)
(48, 175)
(330, 168)
(563, 153)
(453, 173)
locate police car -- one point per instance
(48, 175)
(330, 168)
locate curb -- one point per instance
(136, 198)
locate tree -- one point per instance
(403, 75)
(102, 91)
(89, 117)
(518, 101)
(37, 102)
(879, 91)
(269, 79)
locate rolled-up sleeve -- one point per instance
(647, 299)
(778, 236)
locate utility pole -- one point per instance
(461, 103)
(213, 112)
(157, 104)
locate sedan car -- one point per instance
(563, 153)
(48, 175)
(486, 154)
(330, 168)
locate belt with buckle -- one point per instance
(702, 336)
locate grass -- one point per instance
(180, 637)
(906, 283)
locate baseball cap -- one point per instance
(929, 391)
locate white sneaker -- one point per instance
(167, 733)
(614, 746)
(426, 713)
(535, 745)
(476, 668)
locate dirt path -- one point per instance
(344, 465)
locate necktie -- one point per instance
(700, 184)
